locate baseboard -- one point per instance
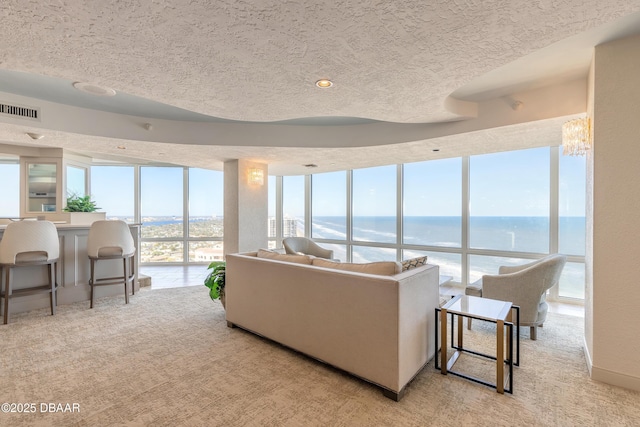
(615, 378)
(607, 376)
(587, 356)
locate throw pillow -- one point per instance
(382, 268)
(414, 262)
(298, 259)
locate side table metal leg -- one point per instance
(500, 356)
(510, 326)
(517, 335)
(460, 329)
(443, 334)
(437, 341)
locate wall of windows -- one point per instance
(329, 210)
(432, 212)
(181, 209)
(293, 206)
(113, 189)
(572, 224)
(205, 214)
(469, 215)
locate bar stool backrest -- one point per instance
(24, 237)
(110, 238)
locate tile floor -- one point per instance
(175, 276)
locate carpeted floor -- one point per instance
(168, 359)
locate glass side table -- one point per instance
(488, 310)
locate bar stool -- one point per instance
(27, 244)
(111, 239)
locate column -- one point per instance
(613, 195)
(245, 206)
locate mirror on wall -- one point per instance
(41, 187)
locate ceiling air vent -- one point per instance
(16, 111)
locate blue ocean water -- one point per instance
(520, 234)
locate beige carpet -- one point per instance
(168, 359)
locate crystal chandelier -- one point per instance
(576, 137)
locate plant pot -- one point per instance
(83, 218)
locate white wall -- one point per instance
(614, 300)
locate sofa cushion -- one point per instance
(414, 262)
(299, 259)
(383, 268)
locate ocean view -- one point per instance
(508, 234)
(517, 234)
(520, 234)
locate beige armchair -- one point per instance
(523, 285)
(303, 245)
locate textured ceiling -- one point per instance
(398, 62)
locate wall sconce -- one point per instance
(576, 137)
(256, 176)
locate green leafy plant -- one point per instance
(215, 279)
(77, 203)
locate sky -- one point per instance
(502, 184)
(162, 190)
(513, 183)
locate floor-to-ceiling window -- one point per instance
(274, 233)
(293, 206)
(469, 215)
(572, 224)
(205, 218)
(509, 208)
(181, 209)
(374, 213)
(113, 190)
(432, 213)
(329, 210)
(161, 212)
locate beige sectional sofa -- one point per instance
(378, 327)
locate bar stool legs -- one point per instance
(128, 276)
(9, 293)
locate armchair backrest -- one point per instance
(296, 245)
(525, 285)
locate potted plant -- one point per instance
(82, 210)
(77, 203)
(215, 280)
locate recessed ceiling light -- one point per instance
(436, 149)
(324, 83)
(94, 89)
(310, 165)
